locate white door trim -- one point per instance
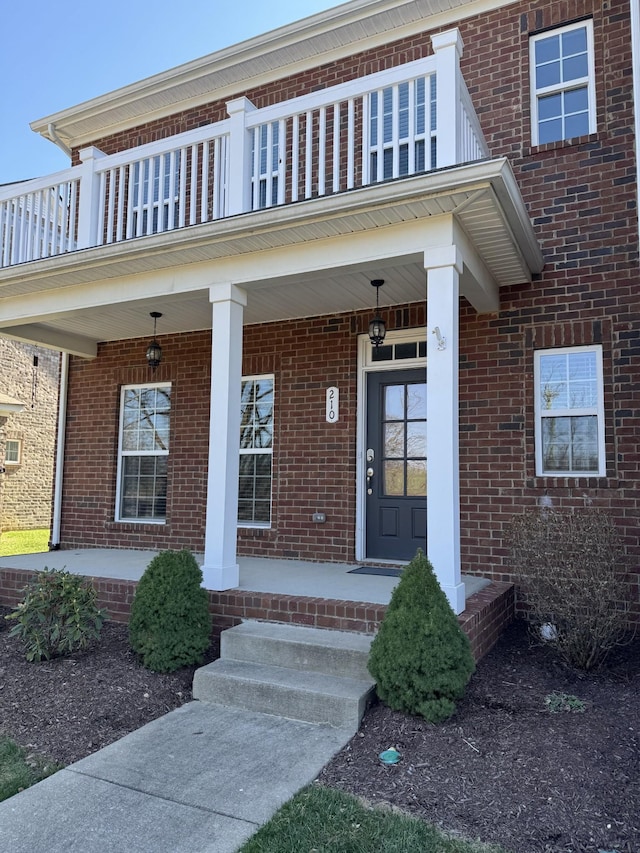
(367, 365)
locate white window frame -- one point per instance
(123, 453)
(597, 410)
(262, 451)
(562, 87)
(18, 443)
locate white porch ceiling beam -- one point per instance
(33, 333)
(369, 249)
(477, 284)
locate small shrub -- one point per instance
(421, 658)
(557, 702)
(58, 615)
(170, 625)
(570, 563)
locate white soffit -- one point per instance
(483, 197)
(346, 29)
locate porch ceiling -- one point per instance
(313, 258)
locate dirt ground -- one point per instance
(505, 768)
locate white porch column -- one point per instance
(220, 568)
(444, 267)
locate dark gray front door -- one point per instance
(396, 464)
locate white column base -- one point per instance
(455, 595)
(221, 577)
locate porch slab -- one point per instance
(321, 595)
(257, 574)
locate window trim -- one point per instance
(589, 80)
(121, 454)
(13, 463)
(597, 410)
(260, 525)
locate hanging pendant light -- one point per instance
(154, 350)
(377, 327)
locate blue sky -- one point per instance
(57, 54)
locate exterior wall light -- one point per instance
(154, 350)
(377, 327)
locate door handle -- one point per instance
(369, 476)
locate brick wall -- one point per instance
(486, 615)
(582, 202)
(25, 489)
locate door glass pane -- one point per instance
(417, 400)
(417, 439)
(394, 402)
(393, 477)
(417, 477)
(394, 441)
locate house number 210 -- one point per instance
(333, 396)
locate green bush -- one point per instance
(170, 625)
(58, 615)
(421, 658)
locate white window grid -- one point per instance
(122, 454)
(254, 450)
(566, 85)
(13, 451)
(595, 409)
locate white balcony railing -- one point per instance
(394, 123)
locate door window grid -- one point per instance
(256, 451)
(569, 405)
(143, 453)
(562, 84)
(405, 440)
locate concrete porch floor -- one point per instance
(257, 574)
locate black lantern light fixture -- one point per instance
(377, 327)
(154, 350)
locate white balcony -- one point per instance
(398, 123)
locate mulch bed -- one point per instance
(503, 769)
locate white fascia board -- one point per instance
(32, 333)
(314, 39)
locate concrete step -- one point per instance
(338, 653)
(283, 691)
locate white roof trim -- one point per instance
(327, 36)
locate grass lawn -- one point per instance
(23, 542)
(324, 820)
(19, 769)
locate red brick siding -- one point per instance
(487, 613)
(582, 201)
(314, 462)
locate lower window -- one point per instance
(569, 407)
(143, 453)
(256, 451)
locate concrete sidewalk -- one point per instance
(201, 779)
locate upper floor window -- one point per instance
(256, 450)
(569, 407)
(143, 452)
(562, 83)
(13, 451)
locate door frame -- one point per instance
(367, 365)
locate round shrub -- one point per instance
(421, 658)
(170, 625)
